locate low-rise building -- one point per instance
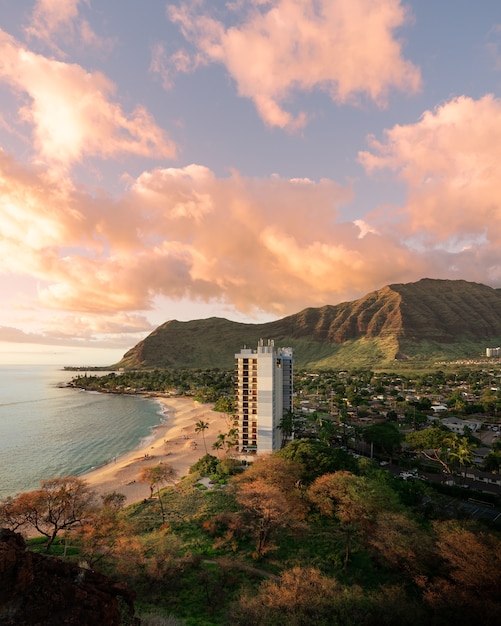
(458, 426)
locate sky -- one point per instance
(243, 159)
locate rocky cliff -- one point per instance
(45, 591)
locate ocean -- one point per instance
(48, 431)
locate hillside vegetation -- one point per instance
(309, 535)
(426, 321)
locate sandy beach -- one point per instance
(174, 441)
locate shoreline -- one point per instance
(173, 441)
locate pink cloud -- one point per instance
(70, 330)
(53, 20)
(449, 162)
(72, 112)
(270, 245)
(50, 16)
(165, 66)
(347, 49)
(273, 245)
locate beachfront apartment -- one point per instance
(263, 395)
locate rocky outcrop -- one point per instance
(45, 591)
(438, 318)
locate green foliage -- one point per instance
(205, 466)
(441, 445)
(316, 458)
(225, 404)
(228, 466)
(197, 566)
(492, 462)
(205, 385)
(385, 437)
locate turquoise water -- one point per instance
(48, 431)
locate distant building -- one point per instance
(263, 395)
(496, 352)
(457, 425)
(437, 408)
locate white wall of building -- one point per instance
(272, 387)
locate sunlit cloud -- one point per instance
(167, 66)
(60, 20)
(448, 160)
(350, 50)
(115, 329)
(273, 245)
(72, 112)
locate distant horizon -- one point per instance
(36, 354)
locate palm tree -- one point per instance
(219, 443)
(231, 439)
(461, 451)
(200, 427)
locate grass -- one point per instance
(59, 548)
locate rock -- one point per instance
(44, 591)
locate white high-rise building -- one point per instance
(263, 396)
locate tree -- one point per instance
(492, 462)
(457, 402)
(305, 595)
(113, 501)
(219, 443)
(228, 440)
(60, 504)
(155, 476)
(269, 492)
(300, 596)
(287, 426)
(384, 436)
(399, 541)
(201, 427)
(231, 439)
(326, 428)
(460, 451)
(99, 534)
(225, 404)
(466, 584)
(441, 446)
(206, 466)
(356, 501)
(316, 458)
(415, 418)
(392, 416)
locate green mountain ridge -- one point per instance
(414, 322)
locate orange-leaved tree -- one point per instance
(356, 501)
(156, 476)
(60, 504)
(270, 493)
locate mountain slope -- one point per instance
(429, 319)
